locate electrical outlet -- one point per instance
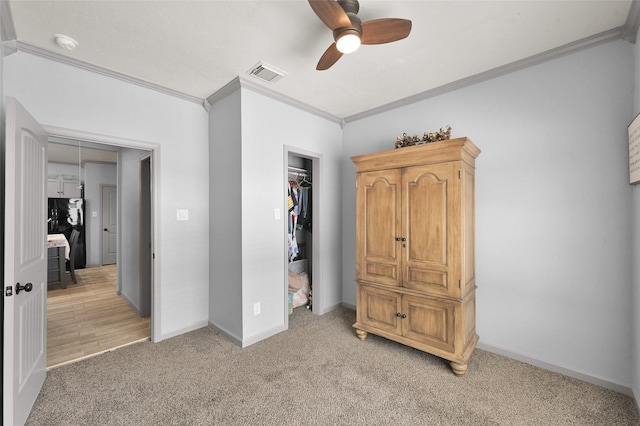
(182, 214)
(256, 308)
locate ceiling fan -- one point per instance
(349, 31)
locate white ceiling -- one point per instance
(196, 47)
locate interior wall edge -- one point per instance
(175, 333)
(263, 335)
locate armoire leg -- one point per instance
(458, 369)
(361, 334)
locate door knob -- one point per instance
(106, 229)
(27, 287)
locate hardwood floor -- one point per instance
(89, 318)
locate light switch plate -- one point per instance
(182, 214)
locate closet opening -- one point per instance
(302, 206)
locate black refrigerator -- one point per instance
(66, 214)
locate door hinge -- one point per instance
(460, 283)
(459, 174)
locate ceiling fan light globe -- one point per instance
(348, 43)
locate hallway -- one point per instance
(89, 318)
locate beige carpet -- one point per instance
(317, 373)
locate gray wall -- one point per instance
(553, 206)
(635, 252)
(129, 226)
(249, 134)
(225, 204)
(95, 176)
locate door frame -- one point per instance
(146, 237)
(154, 153)
(316, 203)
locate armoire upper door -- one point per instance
(379, 227)
(431, 225)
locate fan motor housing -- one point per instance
(355, 28)
(350, 6)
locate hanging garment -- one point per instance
(290, 203)
(294, 196)
(304, 221)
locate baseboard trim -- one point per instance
(326, 310)
(235, 339)
(264, 335)
(617, 387)
(348, 306)
(194, 327)
(133, 306)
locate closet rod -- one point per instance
(297, 169)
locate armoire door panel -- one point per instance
(419, 278)
(379, 226)
(429, 191)
(426, 196)
(379, 308)
(380, 270)
(429, 321)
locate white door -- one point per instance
(25, 278)
(109, 224)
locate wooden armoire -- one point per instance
(415, 253)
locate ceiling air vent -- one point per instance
(266, 72)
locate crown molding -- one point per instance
(263, 90)
(8, 32)
(597, 39)
(630, 28)
(242, 82)
(38, 51)
(223, 92)
(7, 29)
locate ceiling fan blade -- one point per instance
(330, 57)
(331, 13)
(379, 31)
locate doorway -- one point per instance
(109, 208)
(303, 169)
(128, 168)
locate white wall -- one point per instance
(267, 126)
(56, 169)
(67, 97)
(553, 206)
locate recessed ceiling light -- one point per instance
(65, 42)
